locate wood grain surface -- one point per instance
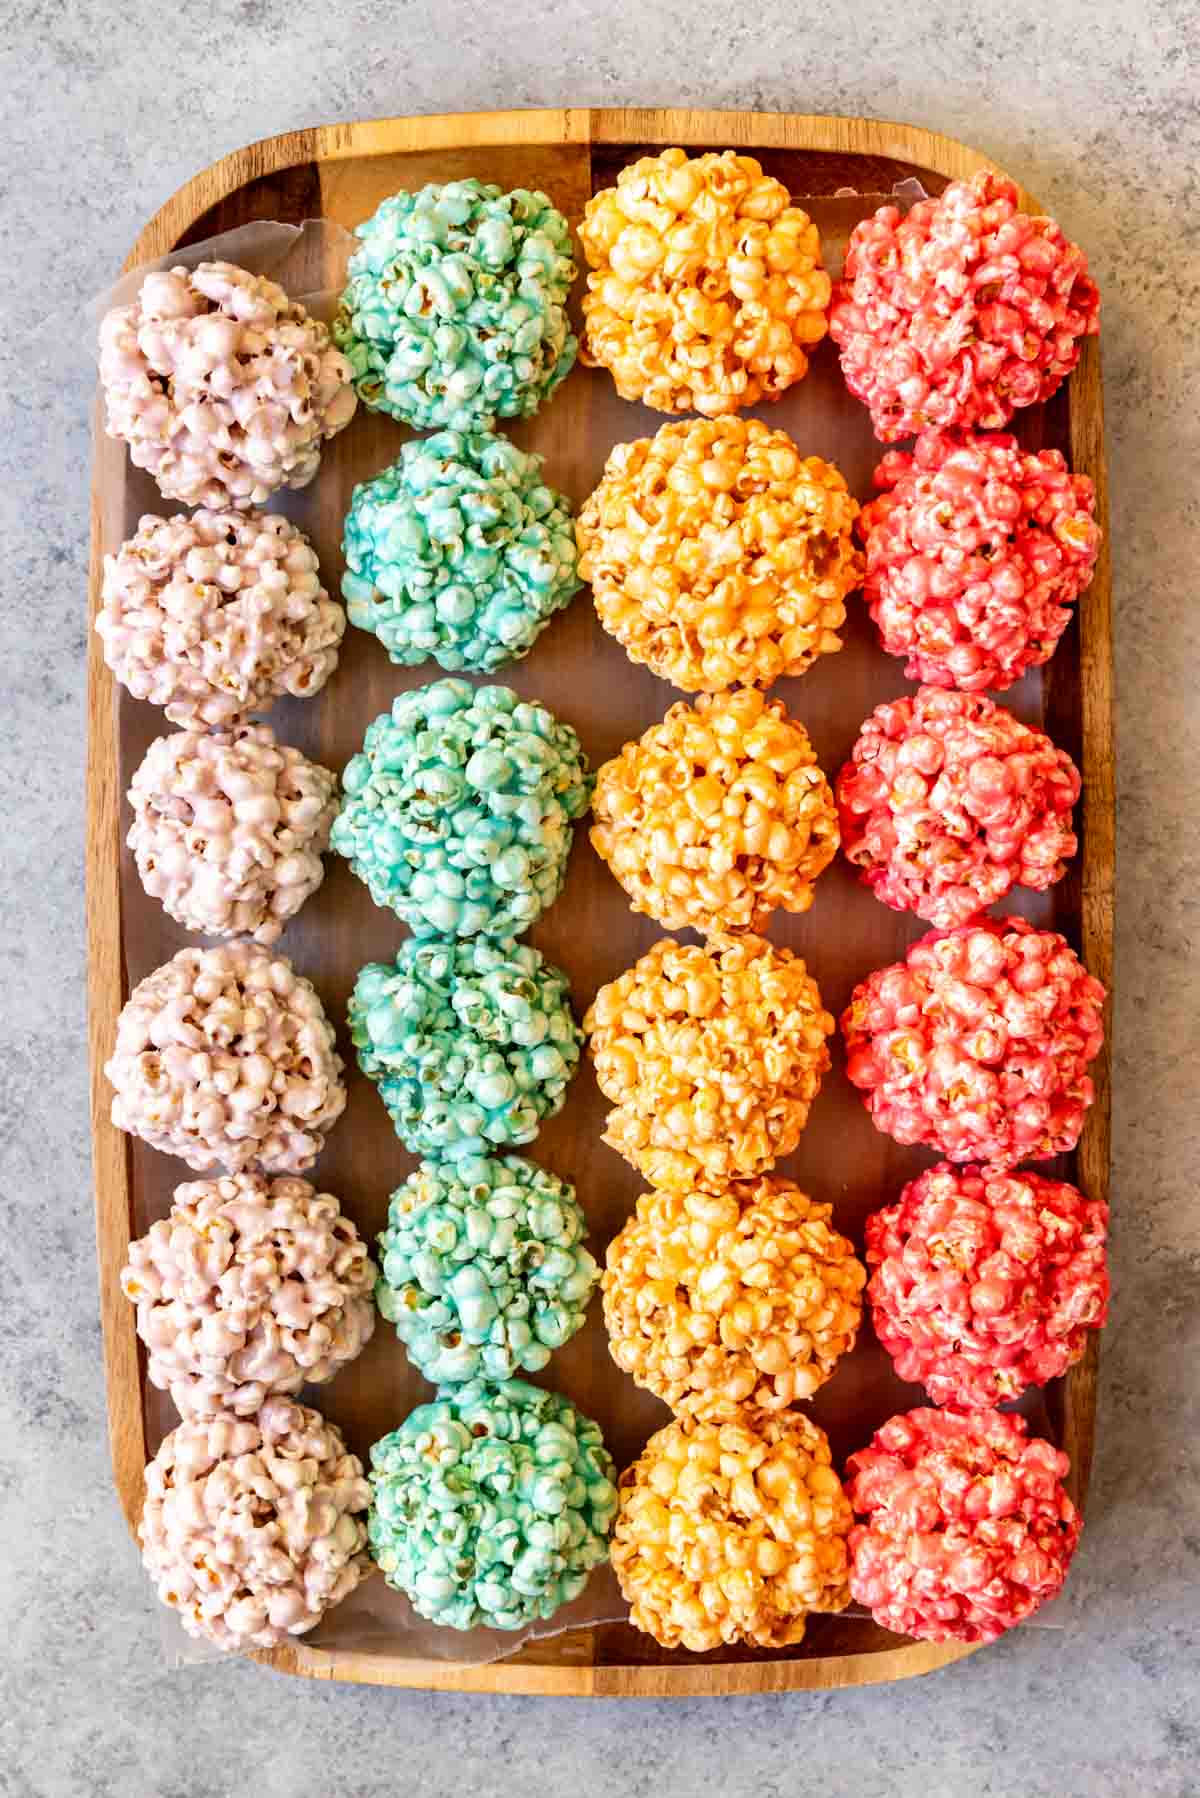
(341, 172)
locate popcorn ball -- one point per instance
(490, 1506)
(732, 1532)
(960, 311)
(217, 614)
(454, 313)
(731, 1294)
(967, 1526)
(254, 1527)
(471, 1044)
(223, 388)
(484, 1268)
(228, 829)
(948, 802)
(717, 815)
(984, 1283)
(458, 809)
(977, 1043)
(251, 1287)
(707, 287)
(711, 1058)
(458, 551)
(976, 550)
(225, 1058)
(718, 554)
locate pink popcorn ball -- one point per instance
(229, 828)
(948, 801)
(960, 311)
(225, 1058)
(218, 614)
(253, 1528)
(223, 388)
(251, 1287)
(977, 1043)
(984, 1283)
(975, 553)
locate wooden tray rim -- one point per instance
(106, 970)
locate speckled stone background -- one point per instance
(105, 108)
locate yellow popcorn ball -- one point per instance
(711, 1056)
(717, 815)
(718, 554)
(727, 1295)
(732, 1532)
(706, 285)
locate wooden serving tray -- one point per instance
(341, 172)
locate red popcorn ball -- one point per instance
(978, 1042)
(968, 1528)
(985, 1282)
(948, 801)
(960, 311)
(975, 552)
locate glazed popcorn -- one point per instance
(471, 1044)
(490, 1506)
(254, 1527)
(229, 828)
(717, 553)
(967, 1526)
(984, 1283)
(223, 388)
(732, 1532)
(977, 1043)
(458, 551)
(731, 1294)
(458, 809)
(225, 1058)
(961, 311)
(217, 614)
(948, 802)
(707, 286)
(454, 311)
(484, 1272)
(717, 815)
(711, 1058)
(251, 1287)
(975, 551)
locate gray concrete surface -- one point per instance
(104, 109)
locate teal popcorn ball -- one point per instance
(471, 1044)
(490, 1506)
(458, 551)
(454, 313)
(458, 810)
(484, 1271)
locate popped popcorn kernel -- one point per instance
(706, 287)
(717, 553)
(960, 311)
(732, 1294)
(711, 1058)
(948, 802)
(717, 815)
(967, 1527)
(976, 550)
(732, 1532)
(984, 1283)
(977, 1043)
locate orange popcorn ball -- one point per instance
(732, 1532)
(717, 553)
(717, 815)
(706, 286)
(735, 1294)
(711, 1056)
